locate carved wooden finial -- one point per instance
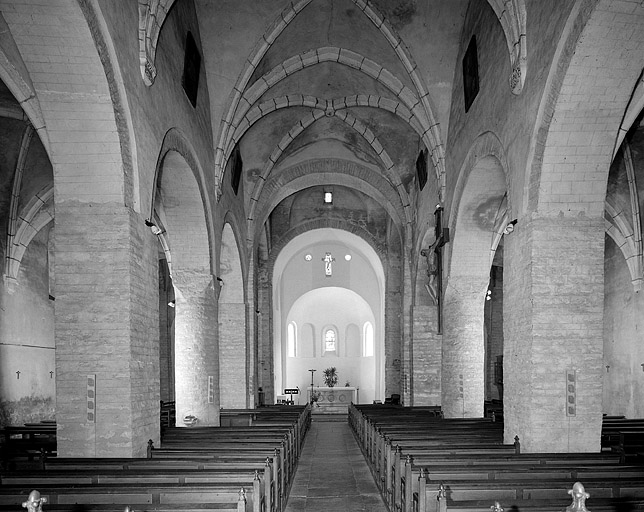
(517, 445)
(34, 502)
(579, 496)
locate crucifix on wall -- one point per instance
(328, 260)
(434, 257)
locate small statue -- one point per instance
(432, 273)
(35, 502)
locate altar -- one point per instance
(333, 400)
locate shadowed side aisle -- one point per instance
(332, 475)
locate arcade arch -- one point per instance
(311, 303)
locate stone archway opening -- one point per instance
(179, 221)
(474, 240)
(329, 280)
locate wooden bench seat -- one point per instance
(142, 496)
(32, 440)
(135, 485)
(510, 490)
(198, 468)
(485, 472)
(464, 456)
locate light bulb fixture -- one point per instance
(488, 295)
(347, 257)
(171, 303)
(509, 228)
(308, 257)
(328, 197)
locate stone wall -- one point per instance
(426, 362)
(623, 373)
(27, 340)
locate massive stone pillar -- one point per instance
(553, 307)
(106, 330)
(462, 383)
(427, 342)
(233, 354)
(196, 349)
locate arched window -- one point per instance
(291, 339)
(367, 340)
(330, 340)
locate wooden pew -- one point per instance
(97, 483)
(30, 440)
(402, 459)
(197, 468)
(168, 415)
(522, 494)
(223, 497)
(624, 436)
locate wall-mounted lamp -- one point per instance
(171, 303)
(153, 227)
(510, 227)
(488, 295)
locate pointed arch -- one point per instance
(512, 16)
(152, 15)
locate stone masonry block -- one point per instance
(328, 54)
(390, 81)
(371, 68)
(350, 58)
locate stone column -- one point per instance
(553, 321)
(196, 349)
(232, 355)
(427, 356)
(265, 375)
(106, 330)
(462, 382)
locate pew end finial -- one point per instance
(441, 499)
(241, 502)
(34, 502)
(579, 497)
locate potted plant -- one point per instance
(330, 377)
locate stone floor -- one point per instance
(332, 475)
